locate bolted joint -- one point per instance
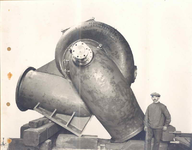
(81, 53)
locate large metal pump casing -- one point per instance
(99, 62)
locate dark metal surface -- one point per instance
(104, 83)
(114, 44)
(105, 91)
(50, 68)
(52, 92)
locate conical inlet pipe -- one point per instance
(51, 92)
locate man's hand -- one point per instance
(164, 128)
(145, 128)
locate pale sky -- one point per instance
(159, 34)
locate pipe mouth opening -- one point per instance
(129, 136)
(18, 100)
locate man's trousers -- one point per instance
(150, 133)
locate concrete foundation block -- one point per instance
(47, 145)
(70, 141)
(23, 128)
(38, 122)
(18, 144)
(129, 145)
(35, 136)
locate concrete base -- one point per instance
(129, 145)
(69, 141)
(35, 136)
(18, 144)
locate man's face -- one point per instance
(155, 99)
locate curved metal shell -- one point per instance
(52, 92)
(103, 88)
(114, 44)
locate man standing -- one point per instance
(157, 118)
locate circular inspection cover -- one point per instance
(81, 53)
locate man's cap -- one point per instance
(155, 94)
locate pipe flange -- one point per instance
(82, 54)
